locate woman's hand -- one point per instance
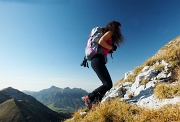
(114, 47)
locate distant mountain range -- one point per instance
(15, 106)
(59, 99)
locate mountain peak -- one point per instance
(66, 88)
(9, 88)
(54, 87)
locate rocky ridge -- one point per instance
(140, 89)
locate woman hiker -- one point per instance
(109, 41)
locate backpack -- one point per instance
(92, 47)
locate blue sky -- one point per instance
(42, 41)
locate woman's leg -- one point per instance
(98, 65)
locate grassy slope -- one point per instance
(115, 110)
(9, 110)
(17, 111)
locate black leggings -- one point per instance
(98, 65)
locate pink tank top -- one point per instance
(105, 51)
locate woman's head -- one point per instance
(114, 27)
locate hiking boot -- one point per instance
(87, 101)
(95, 104)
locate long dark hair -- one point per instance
(114, 28)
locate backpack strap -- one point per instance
(111, 52)
(111, 56)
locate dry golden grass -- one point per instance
(163, 91)
(174, 63)
(130, 78)
(159, 67)
(119, 82)
(178, 78)
(138, 70)
(172, 44)
(178, 73)
(167, 113)
(117, 111)
(144, 81)
(169, 55)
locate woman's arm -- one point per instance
(104, 38)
